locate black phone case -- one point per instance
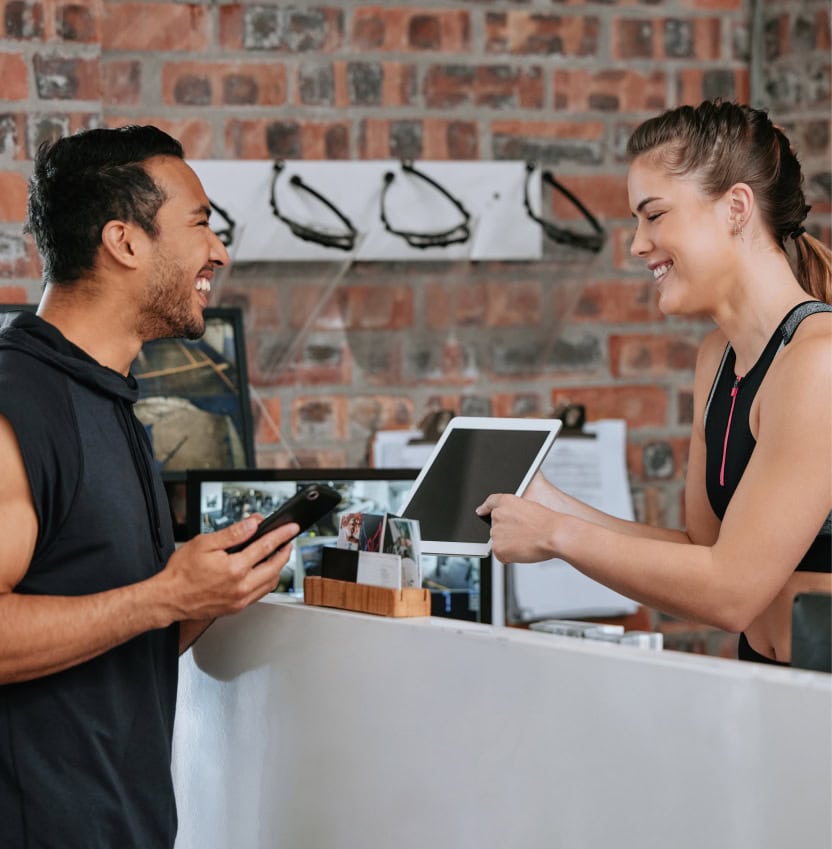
(308, 505)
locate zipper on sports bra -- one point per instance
(734, 390)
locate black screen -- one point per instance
(471, 465)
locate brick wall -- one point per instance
(563, 83)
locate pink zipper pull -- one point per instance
(734, 390)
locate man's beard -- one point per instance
(168, 311)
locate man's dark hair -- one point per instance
(83, 181)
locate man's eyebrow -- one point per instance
(202, 209)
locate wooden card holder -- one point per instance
(364, 598)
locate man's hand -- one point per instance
(204, 581)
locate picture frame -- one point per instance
(194, 397)
(195, 404)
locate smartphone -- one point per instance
(305, 507)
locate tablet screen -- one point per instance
(471, 465)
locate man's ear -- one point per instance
(120, 240)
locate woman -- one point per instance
(716, 193)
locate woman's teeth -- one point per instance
(660, 270)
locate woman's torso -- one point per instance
(770, 633)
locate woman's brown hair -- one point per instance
(726, 143)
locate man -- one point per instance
(95, 605)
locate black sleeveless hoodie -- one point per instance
(85, 753)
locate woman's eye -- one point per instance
(655, 216)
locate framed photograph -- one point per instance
(194, 403)
(194, 398)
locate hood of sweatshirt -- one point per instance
(28, 333)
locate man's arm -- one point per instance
(40, 635)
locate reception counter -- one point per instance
(313, 728)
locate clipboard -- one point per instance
(590, 464)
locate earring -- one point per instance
(736, 230)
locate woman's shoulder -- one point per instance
(711, 350)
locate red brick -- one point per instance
(616, 301)
(155, 27)
(299, 29)
(377, 28)
(67, 78)
(266, 414)
(224, 83)
(639, 463)
(78, 21)
(693, 85)
(611, 90)
(23, 21)
(121, 82)
(376, 307)
(633, 39)
(195, 135)
(305, 301)
(515, 299)
(312, 362)
(13, 135)
(622, 238)
(458, 304)
(716, 5)
(380, 412)
(822, 30)
(262, 306)
(643, 355)
(18, 257)
(493, 86)
(641, 406)
(706, 39)
(516, 404)
(549, 141)
(581, 130)
(396, 87)
(441, 139)
(13, 189)
(319, 417)
(535, 33)
(13, 295)
(605, 196)
(261, 138)
(13, 74)
(287, 458)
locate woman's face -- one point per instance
(683, 236)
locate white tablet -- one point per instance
(474, 457)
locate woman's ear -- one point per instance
(740, 206)
(119, 240)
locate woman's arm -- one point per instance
(725, 580)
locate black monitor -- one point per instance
(460, 586)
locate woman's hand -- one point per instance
(522, 531)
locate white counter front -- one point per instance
(311, 728)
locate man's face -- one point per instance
(185, 254)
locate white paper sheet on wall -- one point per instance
(595, 471)
(400, 449)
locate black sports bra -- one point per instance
(728, 438)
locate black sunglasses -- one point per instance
(343, 241)
(224, 233)
(436, 239)
(563, 235)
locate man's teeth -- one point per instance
(203, 284)
(661, 270)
